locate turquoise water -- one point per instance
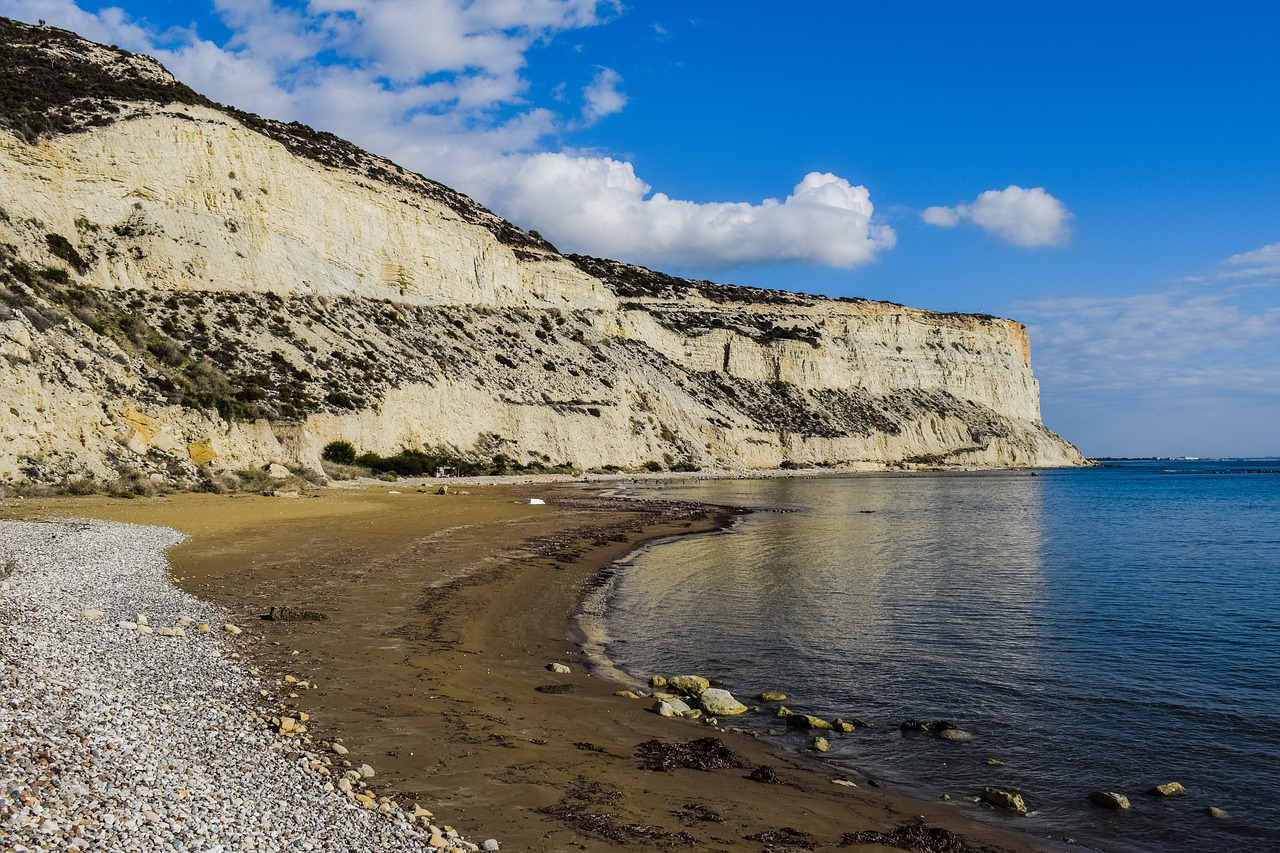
(1109, 628)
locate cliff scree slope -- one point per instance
(187, 288)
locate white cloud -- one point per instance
(439, 86)
(602, 207)
(1212, 334)
(1022, 217)
(602, 97)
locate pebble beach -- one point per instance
(126, 727)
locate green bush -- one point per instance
(341, 452)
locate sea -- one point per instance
(1106, 628)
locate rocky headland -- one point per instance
(186, 288)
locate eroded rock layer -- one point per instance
(185, 287)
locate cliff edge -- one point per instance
(187, 288)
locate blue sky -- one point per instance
(1108, 173)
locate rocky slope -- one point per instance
(186, 288)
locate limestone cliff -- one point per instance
(185, 287)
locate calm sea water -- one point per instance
(1107, 628)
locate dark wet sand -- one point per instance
(443, 613)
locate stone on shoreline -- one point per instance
(720, 703)
(693, 685)
(772, 696)
(671, 708)
(560, 668)
(1004, 799)
(91, 614)
(806, 721)
(657, 681)
(1109, 799)
(821, 744)
(232, 629)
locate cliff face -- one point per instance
(182, 285)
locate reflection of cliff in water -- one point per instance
(873, 580)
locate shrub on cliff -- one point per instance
(341, 452)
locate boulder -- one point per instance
(276, 471)
(954, 734)
(821, 744)
(934, 726)
(689, 684)
(806, 721)
(1168, 789)
(657, 681)
(670, 708)
(1109, 799)
(720, 703)
(1004, 799)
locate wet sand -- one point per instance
(442, 613)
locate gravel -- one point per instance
(112, 738)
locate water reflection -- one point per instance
(938, 571)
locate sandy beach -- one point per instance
(441, 614)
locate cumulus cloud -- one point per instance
(1021, 217)
(439, 86)
(602, 206)
(603, 97)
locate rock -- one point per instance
(720, 703)
(559, 667)
(203, 627)
(91, 614)
(295, 614)
(954, 734)
(692, 714)
(821, 744)
(994, 762)
(339, 749)
(1004, 799)
(419, 811)
(934, 726)
(365, 771)
(276, 471)
(657, 681)
(1214, 811)
(689, 684)
(806, 721)
(772, 696)
(1109, 799)
(490, 845)
(670, 708)
(627, 694)
(443, 490)
(182, 621)
(145, 629)
(165, 632)
(231, 629)
(141, 619)
(1168, 789)
(784, 711)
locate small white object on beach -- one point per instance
(531, 501)
(91, 614)
(558, 667)
(491, 844)
(231, 629)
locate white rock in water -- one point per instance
(558, 667)
(720, 703)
